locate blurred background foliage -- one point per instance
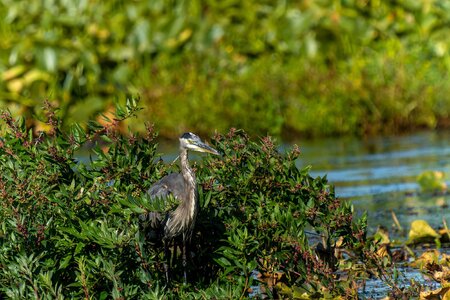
(278, 67)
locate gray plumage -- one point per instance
(169, 186)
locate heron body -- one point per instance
(183, 187)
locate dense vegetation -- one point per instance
(311, 67)
(70, 228)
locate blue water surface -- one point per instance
(379, 174)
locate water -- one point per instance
(379, 175)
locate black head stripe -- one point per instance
(189, 136)
(186, 135)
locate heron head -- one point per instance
(193, 142)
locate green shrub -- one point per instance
(70, 228)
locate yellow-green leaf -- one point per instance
(421, 232)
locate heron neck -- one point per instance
(190, 183)
(186, 170)
(190, 202)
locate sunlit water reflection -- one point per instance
(378, 175)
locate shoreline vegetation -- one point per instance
(314, 68)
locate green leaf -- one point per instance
(64, 263)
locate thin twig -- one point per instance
(446, 227)
(397, 223)
(245, 288)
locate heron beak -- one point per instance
(202, 147)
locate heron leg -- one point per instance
(183, 251)
(167, 260)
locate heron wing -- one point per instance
(171, 185)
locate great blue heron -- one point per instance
(183, 187)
